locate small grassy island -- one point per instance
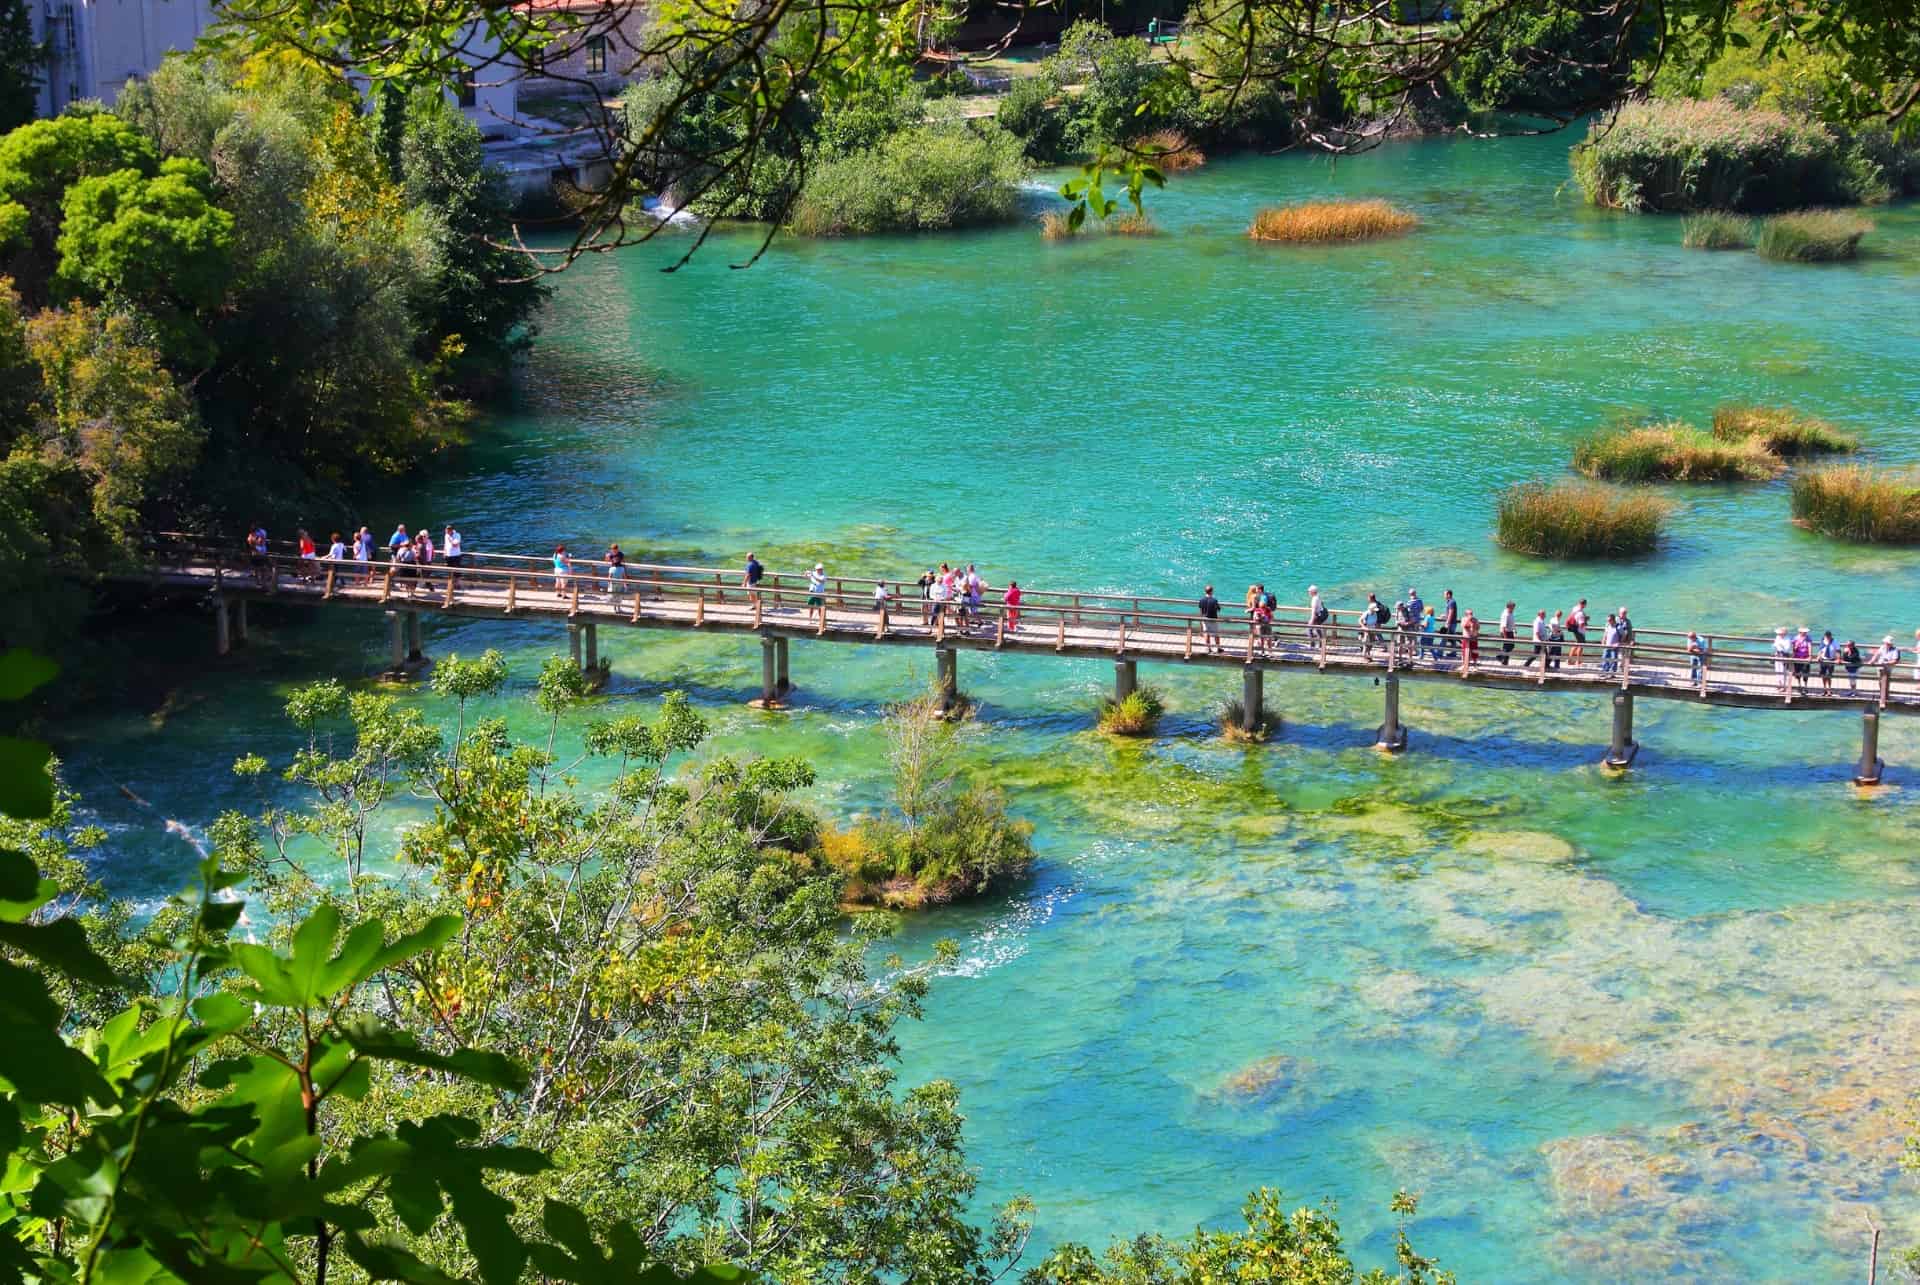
(1855, 502)
(1572, 519)
(1672, 452)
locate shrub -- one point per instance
(1116, 76)
(1854, 502)
(1137, 715)
(1233, 718)
(1170, 151)
(1579, 520)
(1672, 452)
(1716, 230)
(1782, 430)
(965, 846)
(1812, 236)
(930, 177)
(1319, 221)
(1554, 59)
(1029, 112)
(1681, 156)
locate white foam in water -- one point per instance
(1006, 938)
(653, 204)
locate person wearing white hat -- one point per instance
(817, 593)
(1782, 652)
(1886, 656)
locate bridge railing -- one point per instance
(1123, 623)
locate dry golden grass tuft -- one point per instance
(1315, 222)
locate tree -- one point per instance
(155, 242)
(113, 411)
(480, 295)
(708, 1060)
(38, 163)
(22, 59)
(1277, 1248)
(203, 1132)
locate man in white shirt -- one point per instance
(817, 593)
(450, 552)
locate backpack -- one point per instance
(1320, 614)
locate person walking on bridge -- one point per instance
(1506, 634)
(616, 571)
(1577, 627)
(363, 553)
(1850, 657)
(1610, 645)
(1782, 654)
(1011, 601)
(562, 568)
(1539, 652)
(1209, 607)
(1802, 659)
(450, 553)
(1372, 620)
(1697, 656)
(1470, 641)
(817, 594)
(1450, 622)
(1317, 617)
(750, 578)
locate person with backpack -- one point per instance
(1556, 637)
(1373, 618)
(1577, 628)
(1828, 651)
(1209, 607)
(1262, 626)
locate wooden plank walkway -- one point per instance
(1738, 671)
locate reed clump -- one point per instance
(1055, 226)
(1855, 502)
(1782, 430)
(1671, 452)
(1318, 222)
(1716, 230)
(1233, 723)
(1170, 151)
(1132, 225)
(1571, 519)
(1812, 236)
(1135, 715)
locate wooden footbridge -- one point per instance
(1125, 630)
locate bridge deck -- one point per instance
(1739, 671)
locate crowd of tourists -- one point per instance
(1410, 631)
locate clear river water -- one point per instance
(1658, 1025)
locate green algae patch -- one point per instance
(1518, 845)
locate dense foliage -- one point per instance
(1276, 1247)
(226, 301)
(922, 179)
(1685, 155)
(21, 64)
(1549, 60)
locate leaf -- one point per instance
(19, 878)
(1077, 217)
(26, 790)
(22, 672)
(62, 946)
(388, 1045)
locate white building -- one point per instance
(95, 46)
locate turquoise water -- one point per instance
(1659, 1025)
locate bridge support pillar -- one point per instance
(240, 620)
(396, 643)
(1624, 748)
(573, 647)
(1253, 698)
(591, 632)
(1393, 737)
(780, 680)
(222, 627)
(1871, 768)
(946, 676)
(416, 639)
(773, 660)
(1126, 678)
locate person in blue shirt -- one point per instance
(1697, 654)
(1829, 653)
(751, 578)
(1430, 635)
